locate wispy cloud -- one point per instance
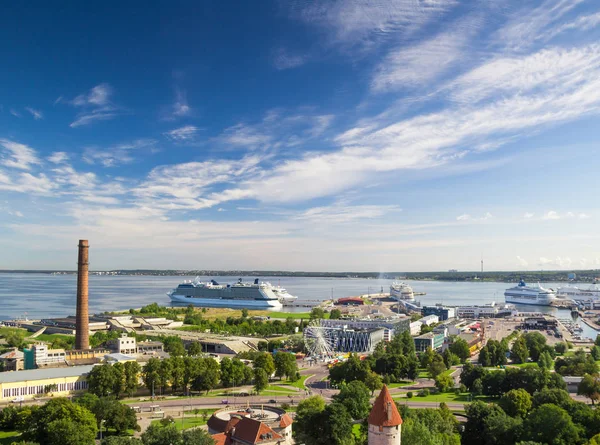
(343, 212)
(282, 60)
(95, 105)
(405, 67)
(528, 215)
(16, 155)
(355, 22)
(580, 24)
(522, 262)
(467, 217)
(556, 262)
(183, 134)
(117, 154)
(15, 113)
(553, 215)
(37, 115)
(528, 24)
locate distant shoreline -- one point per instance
(466, 276)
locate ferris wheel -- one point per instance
(319, 340)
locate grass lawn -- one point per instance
(52, 337)
(423, 374)
(525, 365)
(443, 397)
(399, 384)
(298, 383)
(188, 422)
(280, 388)
(8, 437)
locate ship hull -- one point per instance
(226, 303)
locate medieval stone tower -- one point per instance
(385, 423)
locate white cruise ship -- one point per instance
(523, 294)
(283, 295)
(401, 291)
(576, 293)
(235, 296)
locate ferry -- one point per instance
(401, 291)
(239, 295)
(535, 295)
(576, 293)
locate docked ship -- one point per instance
(240, 295)
(523, 294)
(401, 291)
(283, 295)
(576, 293)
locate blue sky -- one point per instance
(383, 136)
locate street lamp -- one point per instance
(101, 423)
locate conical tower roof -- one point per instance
(385, 412)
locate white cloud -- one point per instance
(529, 24)
(467, 217)
(551, 215)
(282, 60)
(37, 115)
(18, 155)
(522, 262)
(463, 217)
(342, 212)
(117, 154)
(58, 157)
(580, 24)
(583, 216)
(183, 134)
(95, 106)
(180, 107)
(28, 183)
(528, 215)
(355, 22)
(559, 262)
(405, 68)
(15, 113)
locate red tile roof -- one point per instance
(232, 422)
(385, 412)
(253, 432)
(285, 421)
(221, 439)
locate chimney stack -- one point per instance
(82, 333)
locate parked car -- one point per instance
(18, 399)
(225, 402)
(272, 401)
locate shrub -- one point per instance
(409, 395)
(424, 393)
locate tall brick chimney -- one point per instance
(82, 333)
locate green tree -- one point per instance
(437, 366)
(158, 434)
(335, 314)
(597, 341)
(550, 425)
(60, 422)
(460, 348)
(261, 380)
(118, 440)
(450, 359)
(500, 429)
(174, 346)
(545, 361)
(306, 414)
(373, 382)
(165, 371)
(474, 429)
(285, 365)
(197, 436)
(150, 375)
(102, 380)
(355, 396)
(477, 387)
(519, 352)
(590, 387)
(595, 352)
(132, 377)
(444, 382)
(244, 313)
(266, 362)
(516, 402)
(118, 370)
(560, 347)
(208, 375)
(317, 313)
(177, 372)
(194, 349)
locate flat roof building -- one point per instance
(431, 340)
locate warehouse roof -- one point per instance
(44, 373)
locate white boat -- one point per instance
(523, 294)
(576, 293)
(284, 296)
(240, 295)
(401, 291)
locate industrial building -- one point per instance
(429, 320)
(443, 312)
(13, 360)
(43, 382)
(431, 340)
(492, 310)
